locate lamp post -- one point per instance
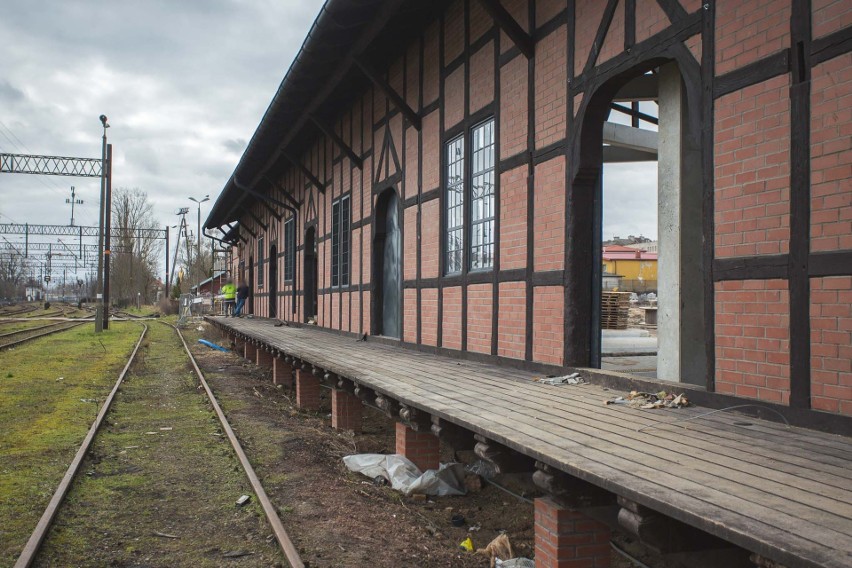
(198, 248)
(99, 325)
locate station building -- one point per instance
(430, 175)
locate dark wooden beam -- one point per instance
(246, 227)
(292, 200)
(257, 219)
(339, 141)
(603, 28)
(751, 267)
(635, 113)
(390, 93)
(831, 45)
(753, 73)
(507, 23)
(311, 177)
(835, 263)
(673, 10)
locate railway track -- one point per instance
(15, 338)
(38, 536)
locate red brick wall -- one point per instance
(587, 14)
(550, 88)
(613, 43)
(411, 157)
(429, 316)
(431, 151)
(482, 77)
(410, 315)
(409, 249)
(480, 21)
(548, 314)
(831, 344)
(431, 63)
(513, 107)
(453, 31)
(519, 11)
(546, 10)
(511, 325)
(513, 218)
(479, 317)
(831, 154)
(549, 231)
(830, 16)
(430, 248)
(753, 339)
(752, 170)
(748, 31)
(451, 321)
(454, 98)
(650, 19)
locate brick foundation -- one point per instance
(307, 390)
(250, 352)
(566, 538)
(282, 373)
(422, 448)
(345, 411)
(264, 358)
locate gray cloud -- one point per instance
(236, 145)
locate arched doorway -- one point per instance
(251, 285)
(311, 274)
(681, 346)
(387, 280)
(273, 281)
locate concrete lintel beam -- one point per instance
(629, 137)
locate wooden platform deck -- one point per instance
(783, 492)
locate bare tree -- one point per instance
(133, 266)
(12, 274)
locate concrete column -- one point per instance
(680, 276)
(345, 411)
(422, 448)
(564, 537)
(282, 373)
(307, 390)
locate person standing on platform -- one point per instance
(242, 296)
(229, 291)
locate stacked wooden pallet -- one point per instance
(614, 309)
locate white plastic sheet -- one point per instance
(405, 477)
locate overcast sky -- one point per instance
(184, 85)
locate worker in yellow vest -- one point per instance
(229, 291)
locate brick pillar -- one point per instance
(422, 448)
(345, 411)
(264, 359)
(282, 373)
(307, 390)
(249, 351)
(564, 537)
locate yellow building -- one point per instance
(637, 268)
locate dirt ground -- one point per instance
(337, 518)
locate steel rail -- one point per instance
(272, 516)
(34, 543)
(52, 331)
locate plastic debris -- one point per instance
(243, 500)
(466, 544)
(647, 400)
(404, 476)
(212, 345)
(515, 563)
(498, 549)
(572, 379)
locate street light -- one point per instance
(206, 198)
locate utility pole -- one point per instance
(99, 322)
(73, 201)
(107, 231)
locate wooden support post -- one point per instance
(394, 97)
(507, 23)
(345, 411)
(504, 460)
(564, 537)
(664, 534)
(455, 436)
(422, 448)
(307, 390)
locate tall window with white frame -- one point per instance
(289, 248)
(482, 196)
(478, 192)
(260, 262)
(340, 227)
(455, 206)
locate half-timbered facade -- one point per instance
(430, 173)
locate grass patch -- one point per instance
(50, 392)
